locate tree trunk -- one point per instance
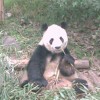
(1, 10)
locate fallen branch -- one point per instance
(79, 64)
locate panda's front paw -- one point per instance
(41, 82)
(69, 58)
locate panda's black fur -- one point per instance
(37, 63)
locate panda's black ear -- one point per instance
(44, 27)
(64, 25)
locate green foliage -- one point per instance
(54, 11)
(8, 4)
(79, 10)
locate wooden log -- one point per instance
(81, 64)
(1, 10)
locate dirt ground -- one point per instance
(90, 74)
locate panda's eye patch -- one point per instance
(51, 40)
(61, 39)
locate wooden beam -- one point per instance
(1, 10)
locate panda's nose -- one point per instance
(57, 47)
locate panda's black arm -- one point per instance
(36, 66)
(68, 56)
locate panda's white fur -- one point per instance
(56, 32)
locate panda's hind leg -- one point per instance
(80, 85)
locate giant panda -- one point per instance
(51, 48)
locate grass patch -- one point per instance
(56, 11)
(8, 4)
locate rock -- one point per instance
(8, 41)
(8, 15)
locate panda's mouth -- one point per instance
(57, 50)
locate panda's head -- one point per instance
(55, 38)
